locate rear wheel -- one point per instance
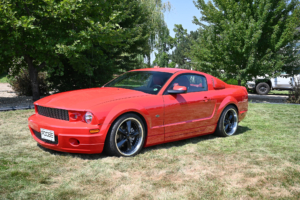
(228, 122)
(263, 88)
(126, 137)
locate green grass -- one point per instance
(273, 92)
(279, 92)
(262, 161)
(3, 78)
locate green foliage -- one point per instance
(164, 43)
(172, 65)
(294, 95)
(21, 82)
(3, 78)
(42, 35)
(71, 79)
(230, 81)
(155, 23)
(183, 42)
(246, 38)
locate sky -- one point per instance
(183, 12)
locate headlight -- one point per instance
(88, 117)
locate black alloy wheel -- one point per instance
(228, 122)
(127, 136)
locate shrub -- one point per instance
(71, 79)
(294, 95)
(21, 82)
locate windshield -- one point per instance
(144, 81)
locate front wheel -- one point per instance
(228, 122)
(126, 137)
(263, 88)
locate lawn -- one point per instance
(279, 92)
(261, 162)
(273, 92)
(3, 78)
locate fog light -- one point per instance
(74, 141)
(94, 131)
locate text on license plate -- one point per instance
(47, 134)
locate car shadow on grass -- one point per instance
(75, 155)
(195, 140)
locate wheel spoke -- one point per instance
(129, 147)
(121, 143)
(137, 133)
(230, 117)
(128, 126)
(226, 127)
(122, 131)
(226, 117)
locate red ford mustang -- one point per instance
(138, 109)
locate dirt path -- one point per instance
(8, 98)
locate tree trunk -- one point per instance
(239, 82)
(33, 74)
(149, 63)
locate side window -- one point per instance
(193, 82)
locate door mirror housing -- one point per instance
(177, 89)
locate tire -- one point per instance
(227, 126)
(263, 88)
(120, 141)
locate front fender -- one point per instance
(125, 108)
(120, 109)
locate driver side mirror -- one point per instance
(177, 89)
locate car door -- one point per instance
(283, 81)
(187, 113)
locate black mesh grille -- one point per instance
(38, 135)
(53, 113)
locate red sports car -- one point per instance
(138, 109)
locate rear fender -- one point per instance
(227, 101)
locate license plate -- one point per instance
(47, 135)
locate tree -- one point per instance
(182, 46)
(164, 43)
(156, 23)
(242, 39)
(42, 35)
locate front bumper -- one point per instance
(65, 132)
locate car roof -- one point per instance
(169, 70)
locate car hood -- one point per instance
(85, 99)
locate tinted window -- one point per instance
(144, 81)
(193, 82)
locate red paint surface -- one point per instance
(181, 116)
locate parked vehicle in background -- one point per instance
(263, 85)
